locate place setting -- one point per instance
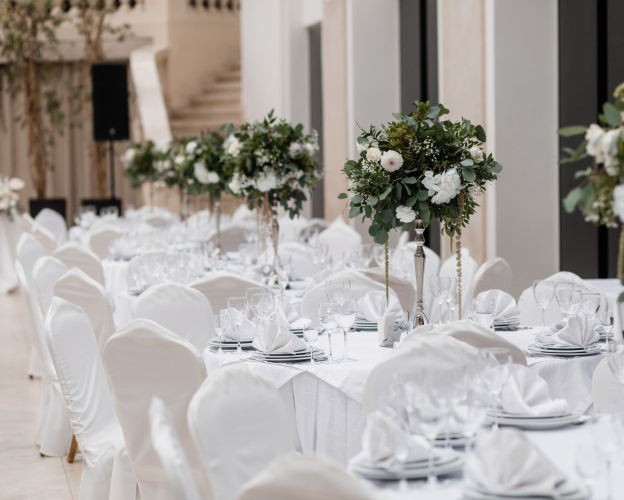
(275, 344)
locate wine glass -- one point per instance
(327, 317)
(225, 322)
(310, 335)
(379, 254)
(284, 264)
(431, 416)
(251, 291)
(263, 304)
(338, 290)
(494, 365)
(470, 414)
(366, 255)
(440, 287)
(573, 306)
(219, 262)
(351, 260)
(543, 291)
(591, 304)
(238, 308)
(482, 311)
(606, 321)
(563, 294)
(345, 317)
(218, 327)
(451, 302)
(589, 463)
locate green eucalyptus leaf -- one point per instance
(385, 193)
(425, 215)
(422, 195)
(386, 215)
(611, 114)
(398, 116)
(480, 133)
(572, 130)
(342, 196)
(372, 201)
(368, 211)
(374, 227)
(363, 140)
(423, 205)
(411, 201)
(433, 113)
(467, 162)
(572, 199)
(397, 188)
(354, 212)
(469, 174)
(497, 168)
(381, 237)
(357, 199)
(410, 180)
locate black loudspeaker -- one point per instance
(110, 101)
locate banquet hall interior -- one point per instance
(311, 249)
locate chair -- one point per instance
(495, 274)
(107, 472)
(608, 393)
(181, 309)
(231, 237)
(432, 268)
(73, 254)
(302, 265)
(404, 289)
(101, 238)
(172, 456)
(144, 360)
(46, 273)
(312, 227)
(45, 237)
(469, 269)
(159, 219)
(234, 398)
(306, 477)
(53, 222)
(290, 229)
(403, 239)
(82, 291)
(219, 288)
(531, 312)
(53, 434)
(360, 286)
(340, 238)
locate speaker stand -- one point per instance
(111, 150)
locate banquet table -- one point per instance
(325, 401)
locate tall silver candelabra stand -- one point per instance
(420, 318)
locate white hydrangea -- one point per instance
(201, 173)
(618, 201)
(128, 156)
(429, 183)
(178, 160)
(295, 149)
(391, 161)
(16, 184)
(235, 184)
(448, 186)
(476, 153)
(266, 181)
(609, 149)
(311, 148)
(232, 145)
(405, 214)
(373, 154)
(191, 147)
(593, 135)
(361, 147)
(161, 146)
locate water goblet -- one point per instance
(345, 317)
(452, 297)
(327, 317)
(589, 463)
(482, 311)
(573, 306)
(543, 291)
(351, 260)
(251, 291)
(606, 321)
(225, 322)
(440, 287)
(366, 255)
(494, 364)
(218, 327)
(338, 290)
(263, 304)
(431, 416)
(310, 335)
(591, 304)
(470, 414)
(219, 262)
(563, 294)
(284, 264)
(238, 308)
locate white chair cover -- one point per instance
(101, 238)
(340, 238)
(432, 268)
(82, 291)
(471, 333)
(360, 286)
(140, 261)
(290, 229)
(53, 435)
(404, 289)
(302, 265)
(531, 312)
(219, 288)
(27, 222)
(158, 219)
(607, 390)
(403, 239)
(307, 477)
(144, 360)
(243, 213)
(313, 226)
(409, 361)
(53, 222)
(181, 309)
(107, 471)
(172, 456)
(234, 398)
(45, 237)
(73, 254)
(231, 237)
(495, 274)
(449, 268)
(46, 273)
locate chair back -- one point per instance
(46, 273)
(290, 229)
(73, 254)
(144, 360)
(231, 237)
(101, 238)
(82, 291)
(469, 269)
(28, 251)
(340, 238)
(404, 289)
(171, 453)
(218, 289)
(181, 309)
(495, 274)
(608, 392)
(45, 237)
(53, 222)
(234, 398)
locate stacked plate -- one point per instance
(230, 345)
(565, 491)
(565, 351)
(298, 332)
(364, 325)
(456, 439)
(506, 322)
(532, 422)
(286, 357)
(445, 461)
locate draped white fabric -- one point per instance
(340, 239)
(607, 390)
(495, 274)
(231, 237)
(144, 360)
(107, 472)
(10, 230)
(179, 308)
(219, 288)
(79, 289)
(101, 238)
(46, 273)
(233, 398)
(75, 255)
(53, 222)
(403, 288)
(45, 237)
(302, 265)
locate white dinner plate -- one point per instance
(562, 347)
(296, 353)
(532, 423)
(451, 461)
(504, 414)
(214, 341)
(568, 490)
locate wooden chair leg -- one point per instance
(72, 450)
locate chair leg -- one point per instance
(72, 450)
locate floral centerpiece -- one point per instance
(145, 163)
(9, 196)
(600, 196)
(274, 164)
(419, 167)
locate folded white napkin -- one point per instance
(271, 337)
(383, 440)
(247, 329)
(506, 463)
(505, 307)
(559, 325)
(373, 306)
(526, 393)
(386, 330)
(579, 331)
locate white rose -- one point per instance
(476, 153)
(609, 149)
(405, 214)
(593, 135)
(362, 147)
(391, 161)
(213, 177)
(373, 154)
(178, 160)
(4, 203)
(159, 166)
(266, 180)
(234, 146)
(16, 184)
(618, 201)
(201, 172)
(235, 184)
(310, 148)
(449, 186)
(191, 147)
(128, 156)
(161, 146)
(429, 183)
(294, 149)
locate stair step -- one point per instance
(200, 124)
(218, 98)
(205, 114)
(224, 86)
(230, 76)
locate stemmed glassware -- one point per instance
(470, 414)
(263, 304)
(366, 255)
(440, 288)
(451, 297)
(283, 268)
(494, 364)
(589, 464)
(218, 327)
(310, 335)
(345, 318)
(543, 291)
(563, 294)
(239, 309)
(251, 291)
(327, 317)
(338, 290)
(573, 305)
(224, 314)
(482, 311)
(351, 260)
(591, 304)
(606, 321)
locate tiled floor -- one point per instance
(24, 475)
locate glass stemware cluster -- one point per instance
(338, 314)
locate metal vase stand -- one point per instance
(420, 318)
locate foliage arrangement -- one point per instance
(145, 163)
(600, 196)
(9, 196)
(419, 166)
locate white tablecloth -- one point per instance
(10, 231)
